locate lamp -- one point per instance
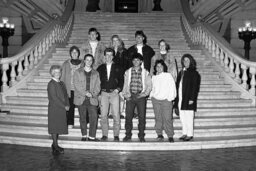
(247, 33)
(6, 30)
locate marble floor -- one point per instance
(23, 158)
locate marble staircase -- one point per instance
(223, 119)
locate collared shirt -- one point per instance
(93, 46)
(136, 81)
(108, 69)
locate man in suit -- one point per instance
(111, 84)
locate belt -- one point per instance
(107, 91)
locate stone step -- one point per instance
(135, 145)
(202, 95)
(199, 123)
(41, 110)
(25, 100)
(76, 132)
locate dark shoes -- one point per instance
(126, 139)
(142, 139)
(110, 116)
(160, 138)
(171, 140)
(188, 138)
(57, 150)
(84, 139)
(121, 116)
(116, 138)
(104, 138)
(182, 137)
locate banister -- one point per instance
(235, 69)
(34, 52)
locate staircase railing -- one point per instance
(236, 70)
(34, 51)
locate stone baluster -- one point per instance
(20, 70)
(43, 47)
(36, 55)
(252, 83)
(13, 74)
(4, 87)
(206, 41)
(217, 53)
(47, 43)
(221, 58)
(31, 60)
(231, 68)
(40, 51)
(26, 64)
(244, 77)
(209, 44)
(226, 62)
(203, 38)
(213, 50)
(237, 72)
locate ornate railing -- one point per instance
(240, 71)
(34, 51)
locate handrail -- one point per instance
(242, 72)
(35, 50)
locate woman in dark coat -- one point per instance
(57, 108)
(188, 83)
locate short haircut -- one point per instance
(76, 48)
(160, 61)
(109, 50)
(167, 46)
(54, 67)
(89, 55)
(137, 56)
(92, 30)
(141, 33)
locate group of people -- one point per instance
(107, 77)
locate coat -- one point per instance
(190, 89)
(58, 99)
(80, 87)
(148, 53)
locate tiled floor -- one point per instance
(19, 158)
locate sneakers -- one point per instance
(126, 139)
(160, 138)
(104, 138)
(116, 138)
(93, 139)
(70, 126)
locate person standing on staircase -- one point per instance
(121, 59)
(112, 81)
(137, 86)
(57, 108)
(68, 69)
(87, 89)
(165, 55)
(142, 48)
(94, 47)
(188, 84)
(162, 95)
(145, 50)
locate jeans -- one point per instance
(131, 103)
(87, 109)
(163, 116)
(110, 100)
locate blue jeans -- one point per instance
(107, 100)
(131, 103)
(163, 116)
(87, 109)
